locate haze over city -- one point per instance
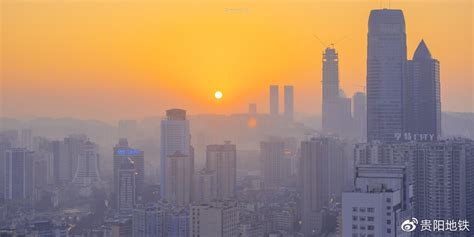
(108, 60)
(232, 118)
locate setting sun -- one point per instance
(218, 95)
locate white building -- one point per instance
(216, 219)
(370, 214)
(175, 138)
(380, 199)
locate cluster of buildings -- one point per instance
(380, 160)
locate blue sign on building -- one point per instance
(127, 152)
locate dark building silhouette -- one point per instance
(289, 102)
(274, 100)
(336, 109)
(330, 89)
(423, 103)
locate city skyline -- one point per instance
(85, 66)
(381, 160)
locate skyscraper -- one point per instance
(330, 90)
(272, 154)
(126, 187)
(75, 144)
(18, 171)
(175, 139)
(222, 158)
(87, 171)
(60, 162)
(274, 104)
(336, 108)
(386, 74)
(289, 102)
(178, 186)
(423, 103)
(122, 152)
(323, 174)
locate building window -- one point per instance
(370, 218)
(370, 227)
(370, 209)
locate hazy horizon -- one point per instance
(109, 60)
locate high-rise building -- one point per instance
(336, 108)
(222, 158)
(443, 185)
(6, 143)
(18, 171)
(87, 171)
(178, 186)
(386, 74)
(330, 90)
(75, 145)
(323, 171)
(359, 114)
(272, 155)
(219, 219)
(43, 175)
(274, 97)
(205, 186)
(122, 152)
(126, 186)
(289, 102)
(175, 139)
(423, 103)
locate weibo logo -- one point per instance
(409, 225)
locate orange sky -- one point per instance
(112, 59)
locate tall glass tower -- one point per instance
(386, 74)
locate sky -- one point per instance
(126, 59)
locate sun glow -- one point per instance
(218, 95)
